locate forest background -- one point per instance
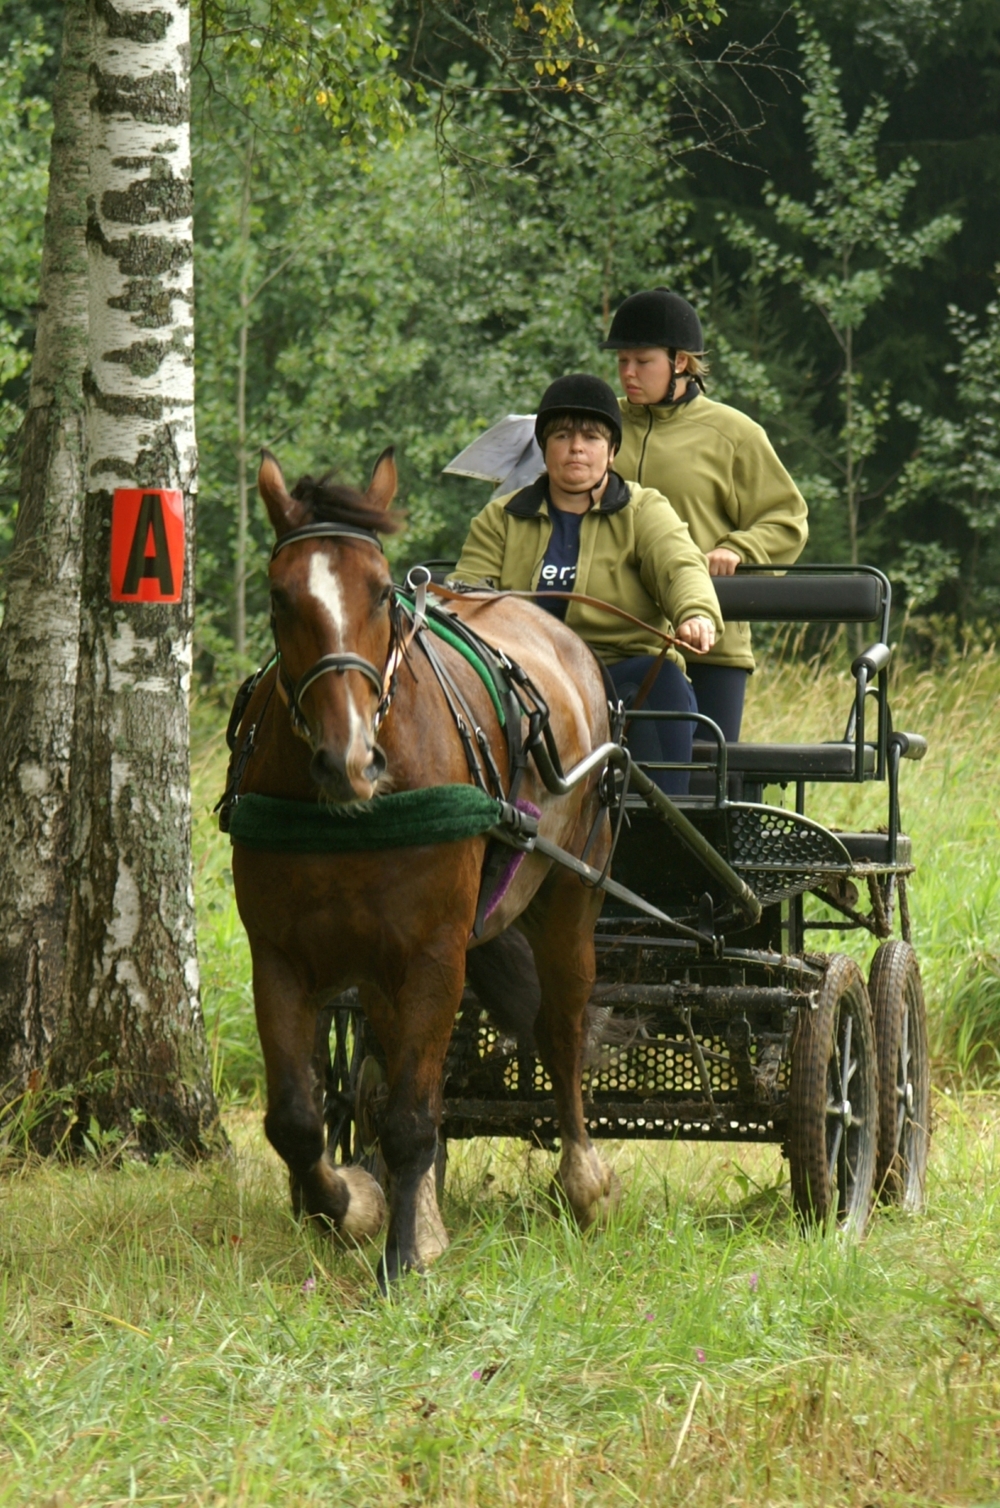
(413, 287)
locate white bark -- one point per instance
(38, 640)
(134, 984)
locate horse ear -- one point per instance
(382, 487)
(284, 511)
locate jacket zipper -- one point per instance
(642, 453)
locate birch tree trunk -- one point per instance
(132, 1021)
(38, 639)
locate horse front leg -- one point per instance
(344, 1199)
(560, 927)
(414, 1031)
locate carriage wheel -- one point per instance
(355, 1093)
(833, 1102)
(904, 1139)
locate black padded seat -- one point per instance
(770, 763)
(873, 848)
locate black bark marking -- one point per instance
(156, 98)
(141, 256)
(137, 26)
(149, 199)
(114, 403)
(145, 357)
(150, 302)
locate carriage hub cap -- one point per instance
(845, 1113)
(909, 1098)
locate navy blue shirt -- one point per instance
(558, 572)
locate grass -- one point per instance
(171, 1336)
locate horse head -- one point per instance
(331, 592)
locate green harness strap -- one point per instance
(403, 819)
(479, 665)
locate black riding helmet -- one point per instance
(590, 397)
(656, 318)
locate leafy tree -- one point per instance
(25, 125)
(955, 470)
(856, 241)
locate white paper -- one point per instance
(506, 454)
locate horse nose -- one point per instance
(329, 771)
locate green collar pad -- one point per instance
(403, 819)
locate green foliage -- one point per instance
(395, 303)
(856, 241)
(334, 54)
(956, 466)
(25, 126)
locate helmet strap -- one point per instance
(672, 384)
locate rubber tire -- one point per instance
(897, 997)
(354, 1041)
(816, 1047)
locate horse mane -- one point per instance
(331, 502)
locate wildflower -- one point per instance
(754, 1280)
(699, 1355)
(309, 1285)
(650, 1316)
(477, 1376)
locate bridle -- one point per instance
(337, 664)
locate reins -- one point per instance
(669, 641)
(481, 594)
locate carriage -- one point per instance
(716, 1014)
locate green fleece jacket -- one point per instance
(634, 552)
(720, 472)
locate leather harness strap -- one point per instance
(481, 594)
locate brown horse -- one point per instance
(397, 924)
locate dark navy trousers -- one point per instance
(720, 690)
(671, 740)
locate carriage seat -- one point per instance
(772, 764)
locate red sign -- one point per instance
(147, 545)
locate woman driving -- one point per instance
(580, 529)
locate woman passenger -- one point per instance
(716, 466)
(580, 528)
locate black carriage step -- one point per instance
(715, 998)
(772, 763)
(620, 1119)
(873, 848)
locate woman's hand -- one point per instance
(698, 632)
(722, 562)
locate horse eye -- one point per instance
(279, 600)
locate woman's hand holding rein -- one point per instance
(699, 633)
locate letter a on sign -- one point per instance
(147, 545)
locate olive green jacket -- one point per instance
(720, 472)
(634, 552)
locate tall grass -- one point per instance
(171, 1336)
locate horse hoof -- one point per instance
(589, 1199)
(366, 1209)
